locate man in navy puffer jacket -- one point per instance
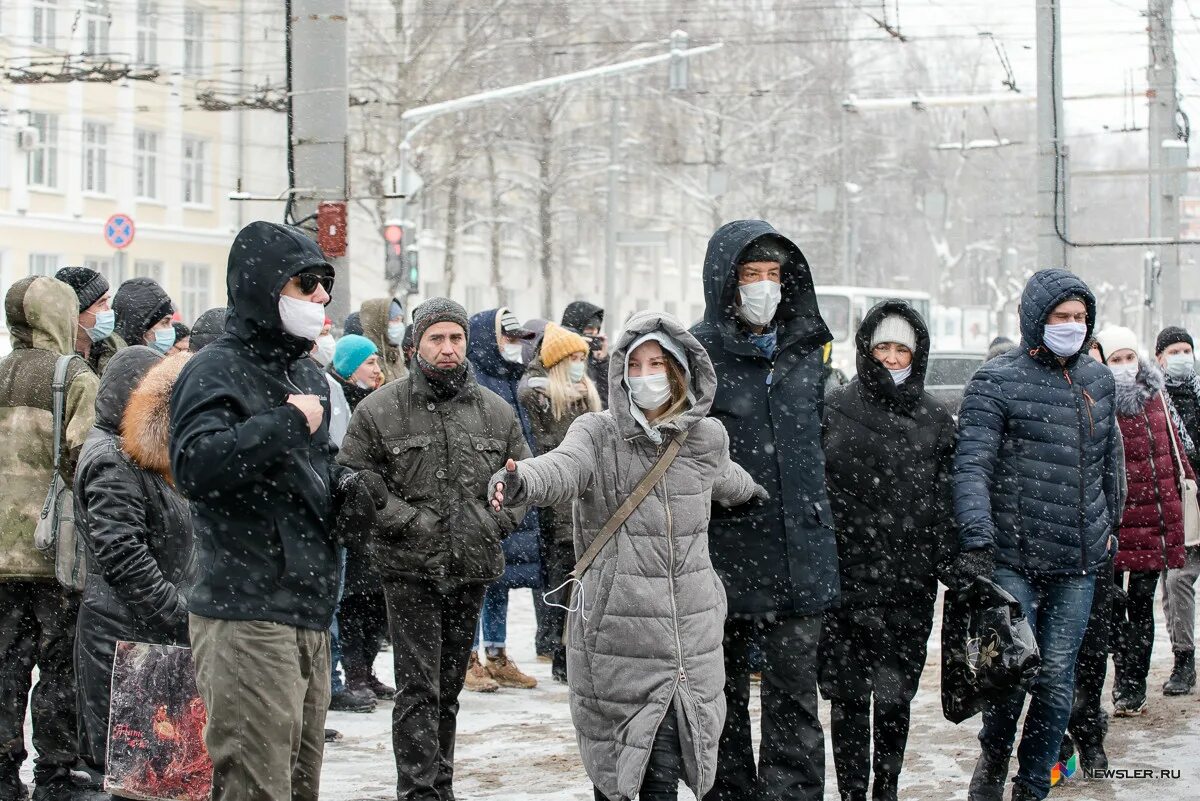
(1036, 490)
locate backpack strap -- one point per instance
(59, 388)
(632, 502)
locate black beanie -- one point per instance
(353, 324)
(766, 248)
(88, 284)
(207, 328)
(438, 310)
(1169, 336)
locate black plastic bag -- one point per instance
(988, 649)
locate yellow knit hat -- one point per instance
(558, 343)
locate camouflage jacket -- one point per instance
(42, 314)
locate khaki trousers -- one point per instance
(266, 687)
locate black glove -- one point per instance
(514, 487)
(973, 564)
(363, 495)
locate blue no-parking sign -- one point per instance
(119, 230)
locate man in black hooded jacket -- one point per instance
(587, 320)
(250, 448)
(777, 558)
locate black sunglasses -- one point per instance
(310, 281)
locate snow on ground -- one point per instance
(518, 745)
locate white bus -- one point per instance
(844, 307)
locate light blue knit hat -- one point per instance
(351, 351)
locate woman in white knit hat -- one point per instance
(888, 446)
(1151, 530)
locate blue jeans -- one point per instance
(335, 643)
(1058, 609)
(493, 622)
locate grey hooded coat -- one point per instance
(648, 641)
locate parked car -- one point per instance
(947, 375)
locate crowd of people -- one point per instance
(692, 508)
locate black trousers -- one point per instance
(432, 629)
(1133, 631)
(791, 760)
(872, 658)
(362, 622)
(665, 769)
(1089, 721)
(37, 628)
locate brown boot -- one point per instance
(478, 680)
(507, 674)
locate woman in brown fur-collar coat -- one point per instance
(137, 529)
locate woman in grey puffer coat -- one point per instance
(644, 659)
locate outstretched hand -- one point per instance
(502, 488)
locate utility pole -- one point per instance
(1166, 152)
(318, 117)
(610, 219)
(1051, 192)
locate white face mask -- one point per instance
(1064, 339)
(901, 375)
(649, 391)
(1181, 365)
(575, 371)
(395, 333)
(1124, 373)
(513, 353)
(324, 352)
(759, 301)
(363, 384)
(301, 318)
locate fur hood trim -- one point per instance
(146, 424)
(1131, 399)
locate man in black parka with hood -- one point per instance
(889, 446)
(250, 449)
(777, 558)
(587, 320)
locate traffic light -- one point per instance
(677, 74)
(393, 235)
(414, 271)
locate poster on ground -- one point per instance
(156, 726)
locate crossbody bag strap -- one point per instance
(632, 502)
(59, 388)
(1171, 435)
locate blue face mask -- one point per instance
(106, 322)
(164, 339)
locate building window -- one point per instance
(45, 23)
(42, 161)
(145, 268)
(95, 157)
(193, 41)
(193, 296)
(147, 33)
(106, 266)
(97, 20)
(145, 159)
(194, 171)
(44, 263)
